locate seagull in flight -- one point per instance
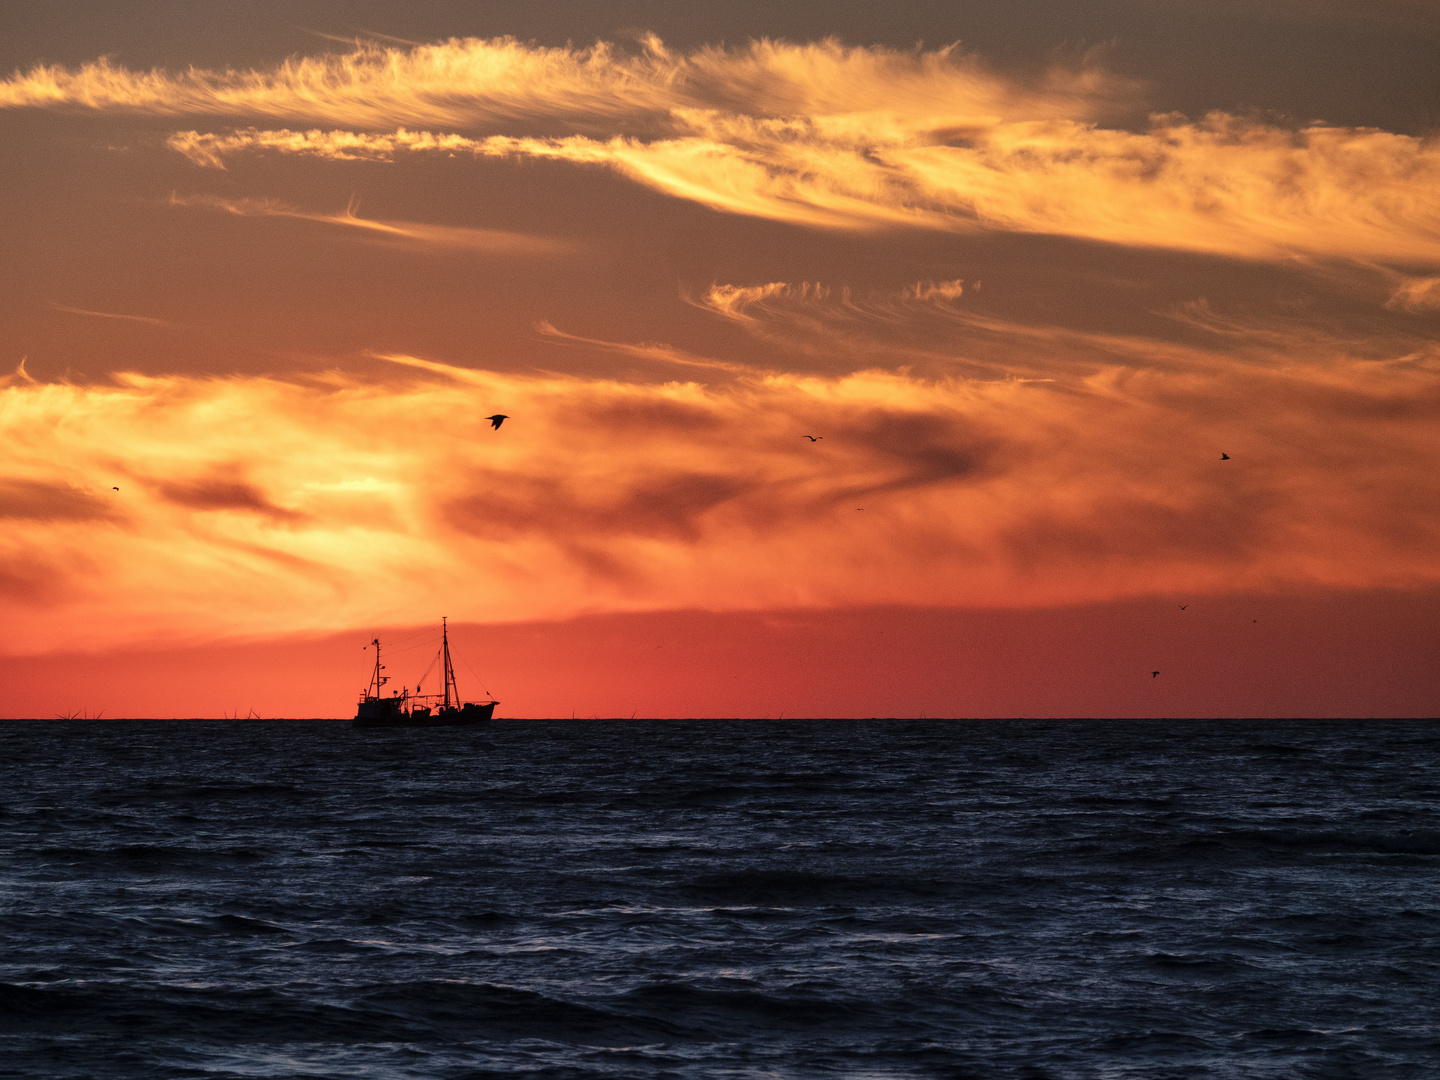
(114, 489)
(497, 420)
(1224, 456)
(1154, 674)
(1184, 606)
(812, 438)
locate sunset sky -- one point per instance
(1025, 270)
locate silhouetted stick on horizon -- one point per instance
(497, 420)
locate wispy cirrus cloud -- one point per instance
(211, 150)
(650, 351)
(968, 458)
(476, 82)
(413, 233)
(247, 504)
(933, 328)
(1222, 186)
(151, 320)
(823, 136)
(1415, 295)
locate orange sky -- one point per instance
(267, 273)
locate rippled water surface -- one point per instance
(720, 899)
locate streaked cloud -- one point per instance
(210, 150)
(18, 377)
(247, 505)
(938, 290)
(1223, 185)
(1051, 436)
(109, 315)
(653, 352)
(472, 81)
(416, 234)
(1415, 294)
(823, 136)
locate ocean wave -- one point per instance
(773, 887)
(710, 900)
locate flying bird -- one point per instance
(812, 438)
(497, 420)
(1184, 606)
(114, 489)
(1224, 456)
(1154, 674)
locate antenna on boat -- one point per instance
(377, 680)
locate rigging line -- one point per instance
(406, 639)
(391, 651)
(410, 639)
(415, 638)
(478, 679)
(426, 674)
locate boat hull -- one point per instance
(383, 714)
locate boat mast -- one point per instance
(377, 680)
(449, 671)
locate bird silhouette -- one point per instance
(1184, 606)
(812, 438)
(114, 489)
(1224, 456)
(497, 420)
(1154, 674)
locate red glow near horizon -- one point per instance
(1359, 655)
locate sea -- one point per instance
(717, 899)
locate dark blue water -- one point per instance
(720, 899)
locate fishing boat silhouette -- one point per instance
(445, 709)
